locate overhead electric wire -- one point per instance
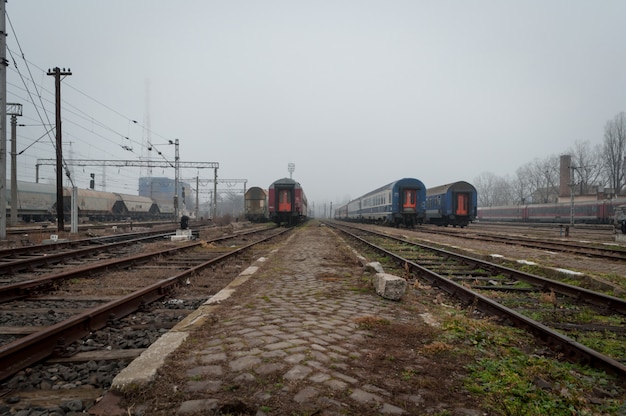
(40, 103)
(68, 133)
(28, 68)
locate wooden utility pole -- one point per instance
(57, 73)
(3, 124)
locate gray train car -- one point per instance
(256, 204)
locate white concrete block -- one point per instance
(389, 286)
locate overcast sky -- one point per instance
(355, 93)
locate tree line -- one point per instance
(595, 166)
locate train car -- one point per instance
(587, 212)
(166, 208)
(94, 205)
(398, 203)
(135, 207)
(35, 201)
(255, 204)
(287, 202)
(451, 204)
(514, 213)
(341, 212)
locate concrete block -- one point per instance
(55, 241)
(376, 266)
(389, 286)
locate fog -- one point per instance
(355, 93)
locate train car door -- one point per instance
(409, 200)
(284, 200)
(462, 204)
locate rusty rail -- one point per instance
(28, 350)
(571, 349)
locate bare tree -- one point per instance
(484, 184)
(589, 166)
(522, 185)
(614, 150)
(492, 190)
(537, 181)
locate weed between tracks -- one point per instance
(502, 367)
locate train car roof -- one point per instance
(391, 185)
(33, 186)
(285, 181)
(256, 189)
(90, 193)
(388, 186)
(456, 186)
(135, 198)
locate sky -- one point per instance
(355, 93)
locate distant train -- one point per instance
(399, 203)
(587, 212)
(287, 203)
(452, 204)
(255, 204)
(38, 202)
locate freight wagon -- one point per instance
(255, 204)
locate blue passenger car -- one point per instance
(398, 203)
(451, 204)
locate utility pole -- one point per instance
(3, 123)
(214, 214)
(57, 73)
(176, 176)
(14, 110)
(197, 195)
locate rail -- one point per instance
(30, 349)
(568, 347)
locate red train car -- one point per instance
(590, 212)
(287, 203)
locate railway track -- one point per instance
(50, 228)
(89, 307)
(24, 262)
(594, 232)
(580, 324)
(587, 248)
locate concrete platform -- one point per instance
(183, 235)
